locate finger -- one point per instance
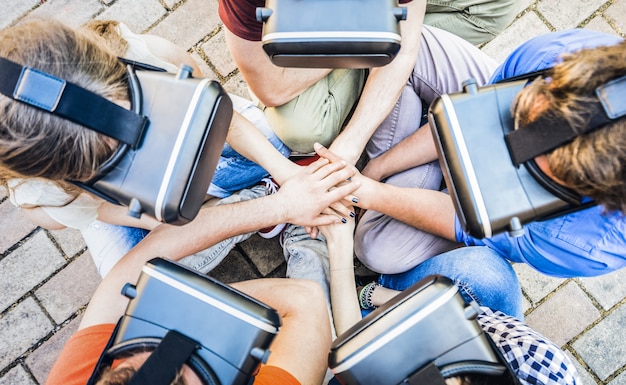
(323, 152)
(342, 192)
(341, 209)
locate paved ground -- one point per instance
(47, 277)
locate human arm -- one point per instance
(248, 141)
(343, 298)
(428, 210)
(300, 200)
(273, 85)
(414, 150)
(303, 342)
(382, 89)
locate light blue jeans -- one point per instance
(481, 274)
(108, 243)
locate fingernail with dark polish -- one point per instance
(355, 200)
(352, 214)
(344, 220)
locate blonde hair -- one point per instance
(593, 164)
(36, 144)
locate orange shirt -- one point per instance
(81, 353)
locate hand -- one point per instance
(307, 196)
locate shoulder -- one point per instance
(545, 50)
(239, 16)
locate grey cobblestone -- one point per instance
(534, 284)
(70, 289)
(191, 22)
(70, 240)
(608, 289)
(601, 344)
(565, 314)
(26, 267)
(16, 376)
(41, 360)
(72, 12)
(11, 10)
(14, 225)
(139, 15)
(23, 325)
(563, 14)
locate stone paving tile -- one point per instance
(235, 267)
(70, 289)
(237, 86)
(70, 240)
(598, 348)
(191, 22)
(72, 12)
(615, 14)
(11, 10)
(265, 254)
(214, 50)
(138, 15)
(534, 284)
(564, 14)
(23, 325)
(586, 378)
(565, 314)
(26, 267)
(14, 225)
(619, 380)
(41, 360)
(608, 289)
(17, 376)
(524, 28)
(600, 24)
(206, 70)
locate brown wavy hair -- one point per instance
(593, 164)
(36, 144)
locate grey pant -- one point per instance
(382, 243)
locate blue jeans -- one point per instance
(234, 171)
(481, 274)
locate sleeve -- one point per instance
(273, 375)
(80, 355)
(239, 16)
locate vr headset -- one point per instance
(169, 142)
(488, 166)
(421, 336)
(188, 318)
(331, 33)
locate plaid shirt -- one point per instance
(534, 359)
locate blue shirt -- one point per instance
(585, 243)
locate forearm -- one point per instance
(383, 88)
(428, 210)
(248, 141)
(414, 150)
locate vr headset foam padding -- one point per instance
(168, 174)
(427, 324)
(490, 194)
(331, 33)
(233, 331)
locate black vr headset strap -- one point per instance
(547, 134)
(165, 362)
(71, 102)
(428, 375)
